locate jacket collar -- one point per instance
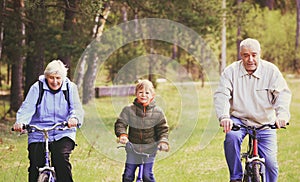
(139, 105)
(257, 73)
(42, 78)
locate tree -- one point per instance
(36, 38)
(18, 56)
(297, 44)
(223, 52)
(62, 29)
(92, 57)
(2, 8)
(71, 9)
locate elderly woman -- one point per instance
(52, 99)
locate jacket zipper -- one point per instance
(141, 134)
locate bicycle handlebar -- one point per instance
(130, 145)
(237, 127)
(28, 127)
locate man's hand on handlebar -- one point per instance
(227, 124)
(280, 123)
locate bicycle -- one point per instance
(254, 170)
(47, 172)
(143, 155)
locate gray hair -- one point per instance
(56, 67)
(250, 43)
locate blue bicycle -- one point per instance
(47, 172)
(129, 146)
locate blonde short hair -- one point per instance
(56, 67)
(144, 84)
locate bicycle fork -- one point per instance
(47, 167)
(254, 163)
(140, 174)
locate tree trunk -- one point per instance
(68, 28)
(93, 58)
(2, 8)
(80, 70)
(89, 77)
(35, 60)
(270, 4)
(16, 96)
(223, 53)
(297, 45)
(239, 29)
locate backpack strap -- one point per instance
(67, 94)
(41, 93)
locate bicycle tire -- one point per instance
(247, 176)
(256, 175)
(44, 177)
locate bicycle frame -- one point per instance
(254, 165)
(140, 174)
(129, 145)
(47, 169)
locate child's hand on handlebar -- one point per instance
(162, 146)
(123, 139)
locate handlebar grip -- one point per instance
(283, 127)
(159, 148)
(24, 126)
(65, 123)
(236, 127)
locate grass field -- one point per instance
(196, 141)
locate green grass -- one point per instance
(189, 113)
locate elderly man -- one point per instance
(253, 92)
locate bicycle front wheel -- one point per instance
(256, 172)
(43, 177)
(46, 176)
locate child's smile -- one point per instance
(144, 96)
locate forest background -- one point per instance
(34, 32)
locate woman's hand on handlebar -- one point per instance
(72, 122)
(18, 127)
